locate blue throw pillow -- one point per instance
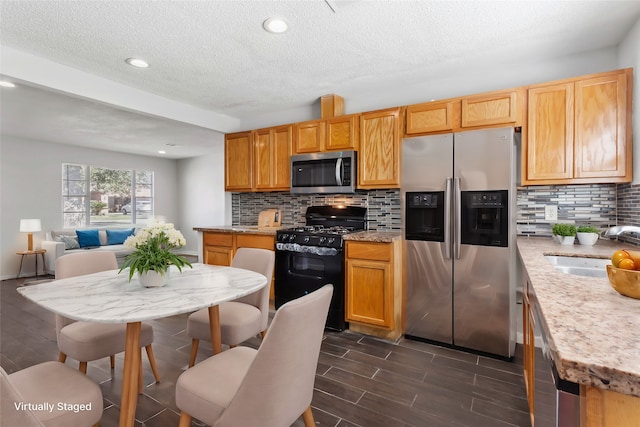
(117, 237)
(87, 238)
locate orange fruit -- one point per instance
(619, 256)
(627, 264)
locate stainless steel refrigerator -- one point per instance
(458, 207)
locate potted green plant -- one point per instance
(152, 256)
(564, 234)
(587, 235)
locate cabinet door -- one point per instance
(369, 294)
(281, 165)
(262, 159)
(429, 117)
(238, 148)
(600, 127)
(379, 155)
(272, 151)
(215, 255)
(309, 137)
(342, 133)
(550, 132)
(489, 109)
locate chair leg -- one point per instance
(112, 359)
(140, 373)
(83, 367)
(62, 357)
(263, 334)
(307, 417)
(152, 362)
(185, 420)
(233, 345)
(194, 352)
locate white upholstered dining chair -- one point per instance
(240, 319)
(271, 386)
(86, 341)
(50, 383)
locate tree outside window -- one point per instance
(101, 196)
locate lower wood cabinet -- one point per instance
(374, 294)
(219, 248)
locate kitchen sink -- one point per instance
(580, 266)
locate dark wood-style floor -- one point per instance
(360, 381)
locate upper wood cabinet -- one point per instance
(333, 134)
(309, 137)
(579, 131)
(379, 155)
(272, 151)
(342, 133)
(489, 109)
(238, 153)
(430, 117)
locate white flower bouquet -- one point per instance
(153, 249)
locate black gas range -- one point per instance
(311, 256)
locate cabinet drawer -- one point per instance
(218, 239)
(371, 251)
(259, 241)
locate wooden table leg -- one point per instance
(214, 324)
(132, 366)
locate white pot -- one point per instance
(153, 279)
(587, 239)
(567, 240)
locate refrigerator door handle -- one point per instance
(457, 236)
(447, 218)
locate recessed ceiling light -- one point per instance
(275, 25)
(137, 62)
(162, 152)
(5, 83)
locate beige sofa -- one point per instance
(60, 242)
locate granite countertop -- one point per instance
(593, 331)
(253, 229)
(374, 236)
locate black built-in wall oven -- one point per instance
(311, 256)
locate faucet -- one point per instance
(614, 232)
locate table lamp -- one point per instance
(30, 226)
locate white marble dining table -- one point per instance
(109, 297)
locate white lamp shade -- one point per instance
(30, 225)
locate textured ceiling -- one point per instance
(216, 57)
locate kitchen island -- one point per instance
(591, 330)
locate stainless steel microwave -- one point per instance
(331, 172)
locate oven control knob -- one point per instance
(331, 240)
(292, 237)
(306, 239)
(322, 240)
(284, 237)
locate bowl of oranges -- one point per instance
(624, 273)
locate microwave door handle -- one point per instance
(447, 219)
(339, 171)
(457, 217)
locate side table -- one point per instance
(36, 252)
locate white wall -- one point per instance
(30, 187)
(203, 201)
(629, 56)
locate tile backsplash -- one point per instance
(600, 205)
(383, 206)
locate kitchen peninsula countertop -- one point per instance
(593, 331)
(253, 229)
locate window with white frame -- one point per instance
(93, 195)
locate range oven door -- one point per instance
(300, 270)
